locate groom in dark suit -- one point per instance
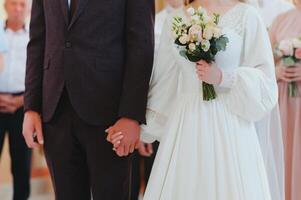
(88, 68)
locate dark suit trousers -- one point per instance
(81, 161)
(19, 152)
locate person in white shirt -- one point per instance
(2, 49)
(12, 78)
(270, 9)
(161, 17)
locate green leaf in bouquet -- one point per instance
(208, 57)
(221, 43)
(214, 51)
(183, 53)
(213, 48)
(216, 18)
(288, 61)
(177, 20)
(193, 57)
(199, 54)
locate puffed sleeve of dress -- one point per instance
(163, 87)
(252, 88)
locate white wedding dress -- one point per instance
(210, 150)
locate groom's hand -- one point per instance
(130, 129)
(32, 129)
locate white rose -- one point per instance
(192, 47)
(201, 10)
(194, 32)
(206, 18)
(200, 37)
(191, 11)
(296, 43)
(184, 39)
(287, 48)
(278, 53)
(205, 45)
(217, 32)
(208, 33)
(195, 29)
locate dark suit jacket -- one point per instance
(103, 57)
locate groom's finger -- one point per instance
(40, 138)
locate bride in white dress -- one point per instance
(210, 150)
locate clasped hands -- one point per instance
(9, 103)
(125, 134)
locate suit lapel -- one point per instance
(64, 8)
(80, 8)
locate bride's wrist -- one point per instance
(227, 79)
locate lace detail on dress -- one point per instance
(234, 19)
(228, 79)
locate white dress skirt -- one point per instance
(210, 150)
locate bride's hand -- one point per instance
(115, 139)
(208, 73)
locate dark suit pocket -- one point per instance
(108, 77)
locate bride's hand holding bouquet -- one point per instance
(209, 73)
(199, 38)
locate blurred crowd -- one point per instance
(283, 20)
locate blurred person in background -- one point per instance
(287, 26)
(12, 78)
(2, 49)
(270, 9)
(161, 17)
(145, 156)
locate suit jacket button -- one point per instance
(68, 44)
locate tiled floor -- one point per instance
(42, 197)
(39, 189)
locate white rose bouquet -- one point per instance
(199, 37)
(290, 53)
